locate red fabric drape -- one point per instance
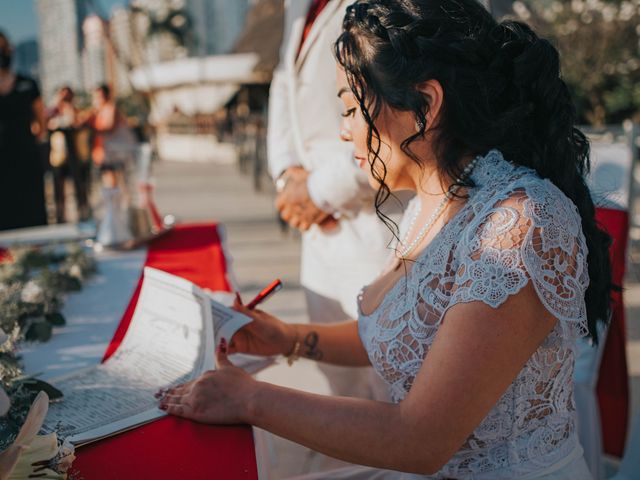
(613, 379)
(172, 448)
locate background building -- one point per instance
(95, 68)
(26, 58)
(126, 54)
(83, 48)
(61, 41)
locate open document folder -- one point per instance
(171, 340)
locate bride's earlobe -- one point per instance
(421, 125)
(434, 97)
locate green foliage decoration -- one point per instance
(33, 283)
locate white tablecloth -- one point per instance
(92, 315)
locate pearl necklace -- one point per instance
(436, 213)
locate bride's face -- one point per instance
(394, 127)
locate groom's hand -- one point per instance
(295, 205)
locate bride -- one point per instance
(499, 265)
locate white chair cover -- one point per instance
(585, 378)
(630, 465)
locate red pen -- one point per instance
(269, 290)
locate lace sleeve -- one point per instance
(532, 234)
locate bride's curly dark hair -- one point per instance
(502, 89)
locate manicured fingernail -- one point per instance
(162, 406)
(239, 298)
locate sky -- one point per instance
(19, 21)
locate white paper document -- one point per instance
(171, 340)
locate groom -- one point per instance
(321, 190)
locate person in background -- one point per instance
(63, 158)
(113, 140)
(321, 190)
(22, 126)
(113, 152)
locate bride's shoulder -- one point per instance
(516, 187)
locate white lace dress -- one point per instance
(515, 228)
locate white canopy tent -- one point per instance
(193, 86)
(198, 85)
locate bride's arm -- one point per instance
(477, 353)
(337, 343)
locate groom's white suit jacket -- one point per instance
(304, 125)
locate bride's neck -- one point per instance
(430, 180)
(431, 183)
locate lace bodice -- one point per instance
(515, 228)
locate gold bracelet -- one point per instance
(294, 354)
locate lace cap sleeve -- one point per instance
(533, 233)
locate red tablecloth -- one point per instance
(173, 448)
(613, 379)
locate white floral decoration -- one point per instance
(32, 293)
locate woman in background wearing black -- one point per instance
(21, 169)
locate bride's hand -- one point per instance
(218, 396)
(266, 335)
